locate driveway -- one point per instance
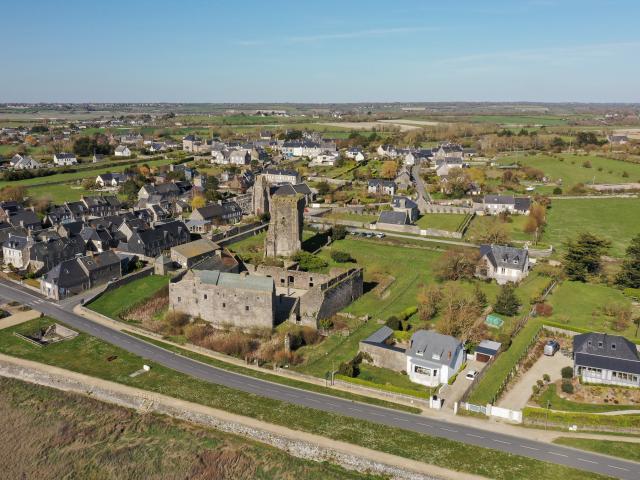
(453, 393)
(518, 395)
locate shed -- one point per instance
(486, 350)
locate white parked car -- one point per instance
(471, 374)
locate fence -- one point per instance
(145, 272)
(491, 411)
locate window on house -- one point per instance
(179, 299)
(246, 308)
(600, 344)
(224, 305)
(205, 296)
(613, 346)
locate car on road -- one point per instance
(380, 235)
(471, 374)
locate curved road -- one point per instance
(542, 451)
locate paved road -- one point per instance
(484, 438)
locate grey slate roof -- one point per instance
(235, 280)
(379, 336)
(611, 352)
(392, 217)
(433, 347)
(503, 256)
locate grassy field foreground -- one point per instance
(91, 356)
(627, 450)
(78, 437)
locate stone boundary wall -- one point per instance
(435, 208)
(383, 357)
(145, 272)
(144, 402)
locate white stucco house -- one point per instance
(433, 358)
(122, 151)
(503, 264)
(606, 359)
(64, 159)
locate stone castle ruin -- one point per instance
(284, 237)
(264, 296)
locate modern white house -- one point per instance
(64, 159)
(325, 160)
(606, 359)
(503, 264)
(497, 204)
(122, 151)
(433, 358)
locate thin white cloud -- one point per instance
(550, 54)
(322, 37)
(377, 32)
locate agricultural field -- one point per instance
(81, 173)
(546, 120)
(614, 219)
(577, 304)
(571, 168)
(88, 355)
(80, 432)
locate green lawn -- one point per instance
(569, 168)
(514, 226)
(627, 450)
(488, 386)
(114, 302)
(579, 305)
(411, 267)
(441, 221)
(90, 356)
(352, 217)
(558, 403)
(612, 218)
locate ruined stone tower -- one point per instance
(260, 196)
(284, 237)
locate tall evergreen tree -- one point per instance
(506, 302)
(629, 275)
(583, 256)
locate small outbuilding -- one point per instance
(486, 350)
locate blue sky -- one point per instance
(320, 51)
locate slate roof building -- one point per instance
(496, 204)
(224, 213)
(380, 186)
(433, 358)
(390, 217)
(503, 264)
(225, 299)
(76, 275)
(606, 359)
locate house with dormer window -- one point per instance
(502, 263)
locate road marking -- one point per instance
(377, 414)
(401, 419)
(558, 454)
(530, 448)
(336, 405)
(585, 460)
(352, 408)
(501, 441)
(425, 424)
(472, 435)
(448, 430)
(619, 468)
